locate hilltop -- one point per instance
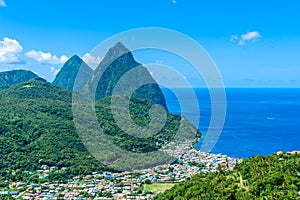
(13, 77)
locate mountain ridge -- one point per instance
(9, 78)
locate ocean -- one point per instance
(258, 121)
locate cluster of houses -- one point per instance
(124, 185)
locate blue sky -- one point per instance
(254, 43)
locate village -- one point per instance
(138, 185)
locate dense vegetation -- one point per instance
(37, 127)
(139, 111)
(13, 77)
(68, 73)
(260, 177)
(36, 119)
(37, 88)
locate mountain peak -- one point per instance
(119, 45)
(68, 73)
(117, 50)
(75, 57)
(116, 63)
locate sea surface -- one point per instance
(258, 121)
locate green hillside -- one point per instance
(13, 77)
(260, 177)
(38, 88)
(37, 127)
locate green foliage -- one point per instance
(37, 128)
(13, 77)
(6, 197)
(270, 177)
(37, 89)
(139, 113)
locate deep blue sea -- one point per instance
(258, 121)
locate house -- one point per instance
(19, 184)
(14, 193)
(3, 193)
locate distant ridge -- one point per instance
(13, 77)
(68, 73)
(38, 88)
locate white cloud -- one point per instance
(250, 36)
(54, 71)
(9, 50)
(42, 57)
(247, 37)
(2, 3)
(174, 1)
(253, 35)
(92, 61)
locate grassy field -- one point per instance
(157, 187)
